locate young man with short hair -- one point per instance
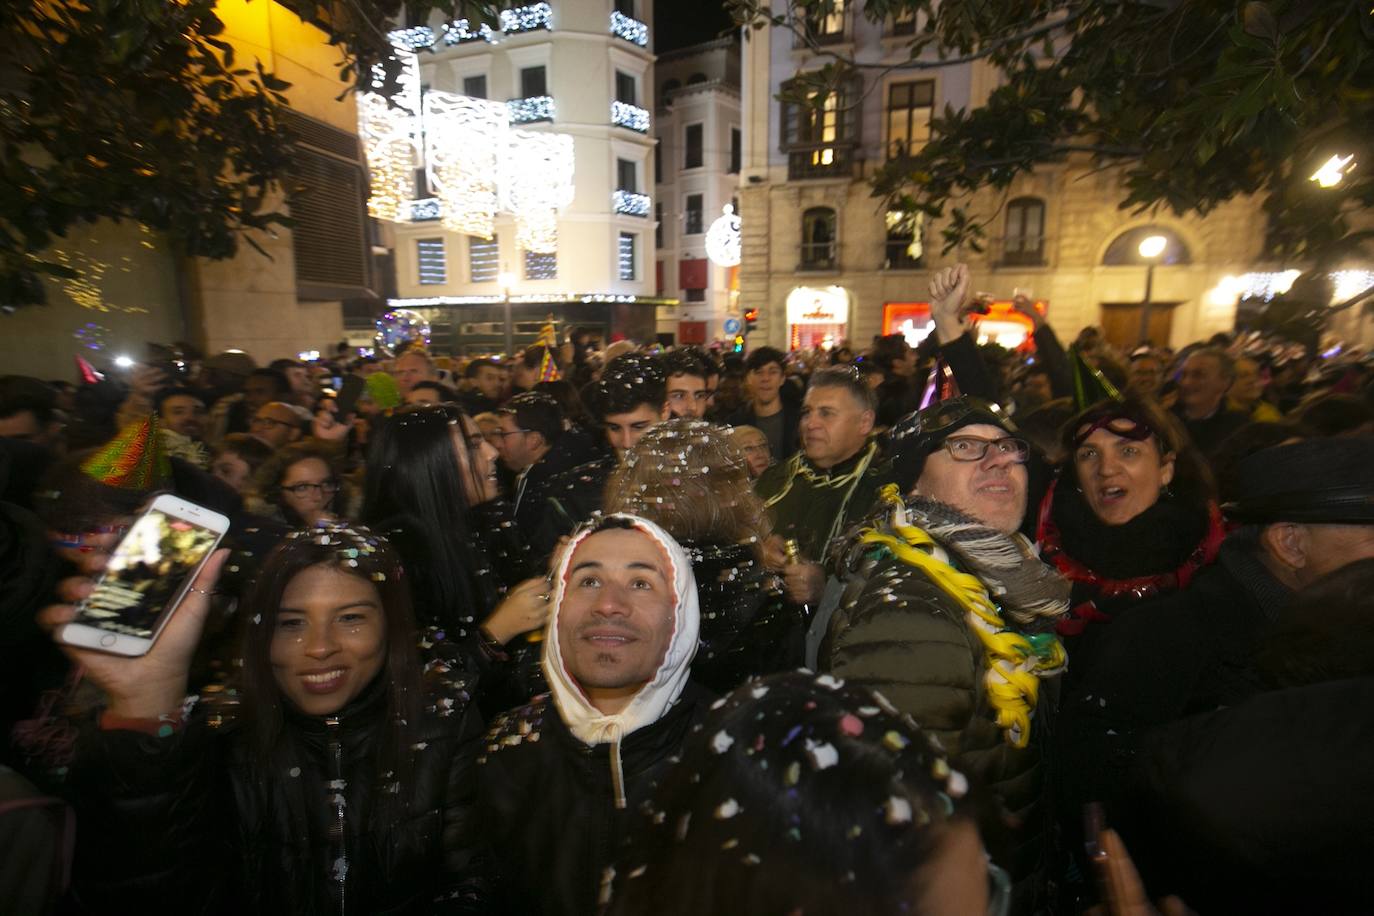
(769, 408)
(686, 384)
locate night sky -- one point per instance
(679, 23)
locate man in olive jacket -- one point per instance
(950, 615)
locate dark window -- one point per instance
(541, 266)
(422, 183)
(534, 81)
(658, 162)
(909, 108)
(475, 87)
(696, 78)
(905, 246)
(671, 86)
(735, 150)
(695, 295)
(658, 227)
(625, 88)
(625, 175)
(484, 259)
(734, 204)
(627, 256)
(625, 8)
(1025, 237)
(692, 215)
(818, 239)
(433, 267)
(826, 26)
(691, 157)
(818, 135)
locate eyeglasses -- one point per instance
(503, 433)
(324, 487)
(971, 448)
(270, 421)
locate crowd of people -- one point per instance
(945, 629)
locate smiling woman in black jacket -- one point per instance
(319, 784)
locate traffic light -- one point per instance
(739, 343)
(751, 317)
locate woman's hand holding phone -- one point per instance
(149, 685)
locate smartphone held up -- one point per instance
(148, 574)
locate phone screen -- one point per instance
(146, 571)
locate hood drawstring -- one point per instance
(611, 733)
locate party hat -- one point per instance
(1089, 385)
(89, 376)
(132, 460)
(548, 369)
(548, 334)
(381, 388)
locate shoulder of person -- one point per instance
(519, 727)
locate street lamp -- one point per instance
(507, 280)
(1333, 171)
(1151, 247)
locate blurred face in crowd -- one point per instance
(765, 382)
(524, 377)
(757, 454)
(424, 395)
(616, 619)
(1201, 385)
(489, 381)
(1035, 388)
(991, 489)
(259, 390)
(834, 425)
(1121, 477)
(519, 448)
(301, 383)
(329, 641)
(624, 429)
(476, 463)
(1146, 376)
(24, 424)
(276, 424)
(490, 426)
(1248, 384)
(184, 414)
(307, 488)
(232, 469)
(409, 369)
(687, 396)
(1299, 554)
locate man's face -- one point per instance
(616, 619)
(624, 429)
(22, 424)
(1146, 376)
(233, 470)
(992, 490)
(184, 414)
(1036, 388)
(1248, 384)
(411, 368)
(299, 377)
(518, 448)
(524, 377)
(1202, 384)
(833, 426)
(489, 382)
(259, 390)
(424, 395)
(687, 396)
(276, 424)
(764, 382)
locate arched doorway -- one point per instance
(1126, 324)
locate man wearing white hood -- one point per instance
(552, 783)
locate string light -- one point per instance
(534, 108)
(412, 39)
(463, 141)
(390, 131)
(630, 203)
(537, 182)
(632, 30)
(458, 31)
(527, 18)
(1348, 283)
(623, 114)
(723, 238)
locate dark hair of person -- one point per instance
(1336, 414)
(445, 393)
(762, 356)
(1041, 427)
(19, 393)
(165, 393)
(357, 553)
(798, 794)
(1244, 442)
(254, 452)
(477, 365)
(851, 380)
(889, 348)
(685, 362)
(281, 365)
(1225, 363)
(269, 477)
(279, 380)
(628, 382)
(563, 391)
(1327, 634)
(415, 494)
(536, 412)
(1192, 484)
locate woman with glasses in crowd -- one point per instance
(303, 486)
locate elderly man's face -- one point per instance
(409, 369)
(616, 619)
(834, 426)
(276, 424)
(991, 489)
(1202, 384)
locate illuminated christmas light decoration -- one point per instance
(412, 39)
(1347, 283)
(723, 238)
(428, 209)
(630, 203)
(463, 141)
(527, 18)
(458, 31)
(623, 114)
(632, 30)
(534, 108)
(537, 182)
(390, 131)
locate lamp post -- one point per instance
(1151, 247)
(507, 280)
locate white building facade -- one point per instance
(542, 136)
(697, 165)
(825, 261)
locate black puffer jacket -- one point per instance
(748, 627)
(193, 818)
(540, 820)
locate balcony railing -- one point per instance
(534, 108)
(818, 256)
(427, 209)
(630, 203)
(632, 30)
(623, 114)
(527, 18)
(820, 162)
(459, 31)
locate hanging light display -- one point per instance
(390, 131)
(463, 140)
(401, 326)
(723, 238)
(537, 182)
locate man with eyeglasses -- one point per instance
(277, 423)
(534, 445)
(945, 609)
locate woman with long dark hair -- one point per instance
(318, 782)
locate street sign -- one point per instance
(732, 326)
